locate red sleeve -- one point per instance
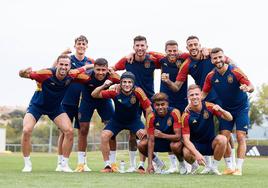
(41, 75)
(115, 78)
(185, 123)
(144, 101)
(90, 60)
(184, 55)
(207, 85)
(156, 61)
(240, 76)
(209, 106)
(157, 55)
(177, 118)
(121, 64)
(184, 70)
(82, 78)
(75, 72)
(150, 123)
(108, 94)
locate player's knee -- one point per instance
(69, 133)
(176, 146)
(27, 131)
(83, 130)
(221, 139)
(142, 144)
(241, 138)
(105, 136)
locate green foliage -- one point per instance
(259, 106)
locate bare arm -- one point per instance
(225, 114)
(150, 168)
(171, 137)
(204, 95)
(198, 156)
(174, 86)
(96, 93)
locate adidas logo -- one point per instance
(253, 152)
(216, 81)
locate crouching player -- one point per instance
(127, 99)
(198, 131)
(164, 130)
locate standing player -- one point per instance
(198, 131)
(127, 99)
(142, 67)
(51, 86)
(88, 104)
(231, 85)
(164, 130)
(72, 97)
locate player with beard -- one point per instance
(231, 85)
(51, 86)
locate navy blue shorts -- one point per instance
(240, 120)
(72, 112)
(161, 145)
(116, 126)
(37, 112)
(104, 108)
(204, 148)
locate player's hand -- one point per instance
(141, 133)
(158, 133)
(88, 66)
(244, 88)
(217, 108)
(165, 77)
(111, 70)
(187, 108)
(205, 52)
(107, 83)
(130, 57)
(150, 169)
(200, 160)
(67, 51)
(25, 72)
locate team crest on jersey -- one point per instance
(205, 114)
(230, 79)
(178, 63)
(157, 124)
(67, 82)
(147, 64)
(133, 99)
(169, 122)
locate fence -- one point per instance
(121, 145)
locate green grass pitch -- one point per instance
(255, 174)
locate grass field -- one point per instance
(255, 174)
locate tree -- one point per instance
(259, 106)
